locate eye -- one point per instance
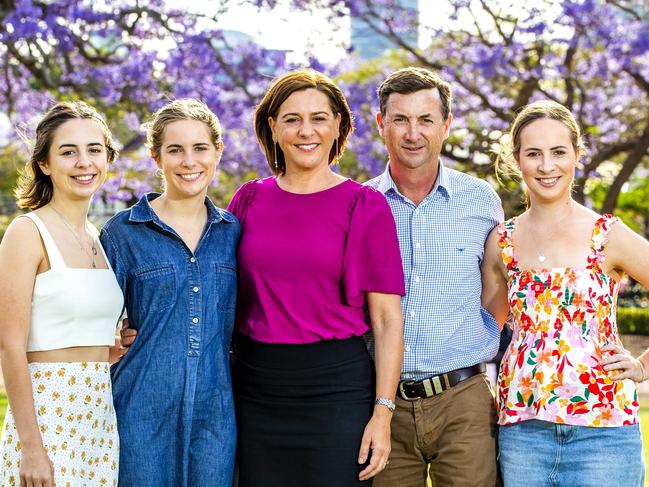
(201, 148)
(68, 153)
(427, 121)
(560, 152)
(399, 120)
(320, 118)
(291, 120)
(173, 150)
(533, 154)
(96, 150)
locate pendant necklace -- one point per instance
(76, 237)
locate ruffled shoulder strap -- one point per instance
(505, 230)
(601, 232)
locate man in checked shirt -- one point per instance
(445, 418)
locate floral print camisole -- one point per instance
(562, 317)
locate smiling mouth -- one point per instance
(190, 177)
(84, 178)
(548, 181)
(412, 149)
(307, 147)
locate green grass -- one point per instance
(3, 406)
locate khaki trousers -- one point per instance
(453, 434)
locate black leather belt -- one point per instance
(411, 390)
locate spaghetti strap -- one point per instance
(53, 254)
(599, 239)
(505, 231)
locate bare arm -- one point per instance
(21, 255)
(387, 324)
(494, 281)
(627, 253)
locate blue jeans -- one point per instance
(541, 454)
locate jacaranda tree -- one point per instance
(128, 57)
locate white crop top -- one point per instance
(72, 307)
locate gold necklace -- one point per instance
(76, 237)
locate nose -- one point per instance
(412, 131)
(83, 159)
(306, 129)
(189, 159)
(546, 164)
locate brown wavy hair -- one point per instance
(34, 188)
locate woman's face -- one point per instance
(77, 161)
(188, 158)
(547, 160)
(305, 129)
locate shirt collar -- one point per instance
(442, 183)
(142, 212)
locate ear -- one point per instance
(379, 123)
(154, 156)
(271, 124)
(45, 168)
(447, 125)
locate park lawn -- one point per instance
(644, 425)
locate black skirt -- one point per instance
(301, 412)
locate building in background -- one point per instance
(367, 42)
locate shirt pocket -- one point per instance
(458, 269)
(155, 286)
(225, 285)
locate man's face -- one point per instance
(413, 128)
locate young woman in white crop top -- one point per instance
(61, 305)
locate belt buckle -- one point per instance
(402, 391)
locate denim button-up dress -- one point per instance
(172, 390)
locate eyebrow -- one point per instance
(75, 145)
(423, 115)
(180, 145)
(292, 114)
(551, 148)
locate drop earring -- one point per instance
(275, 152)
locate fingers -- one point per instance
(378, 461)
(621, 363)
(128, 336)
(365, 448)
(380, 452)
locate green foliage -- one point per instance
(633, 321)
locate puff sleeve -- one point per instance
(371, 260)
(242, 199)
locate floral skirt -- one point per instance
(74, 410)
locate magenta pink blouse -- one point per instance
(306, 260)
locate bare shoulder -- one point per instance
(620, 235)
(21, 244)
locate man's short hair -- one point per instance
(412, 79)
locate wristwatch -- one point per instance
(388, 403)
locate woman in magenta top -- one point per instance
(316, 251)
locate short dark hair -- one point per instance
(279, 91)
(412, 79)
(35, 188)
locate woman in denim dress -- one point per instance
(174, 257)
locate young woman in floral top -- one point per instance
(568, 408)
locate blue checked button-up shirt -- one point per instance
(442, 246)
